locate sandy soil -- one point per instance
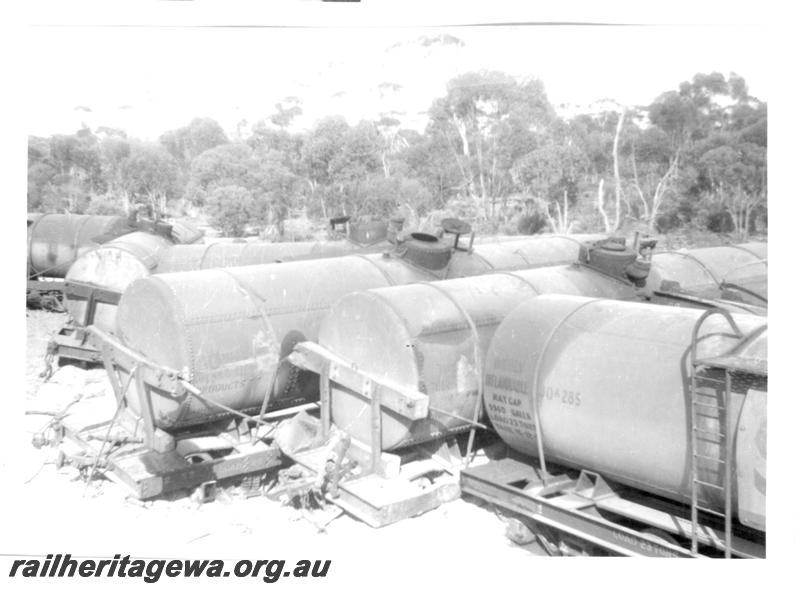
(100, 519)
(41, 326)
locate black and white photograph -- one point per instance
(349, 295)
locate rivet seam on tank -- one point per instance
(190, 353)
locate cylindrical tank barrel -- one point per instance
(116, 264)
(605, 384)
(229, 328)
(55, 241)
(432, 337)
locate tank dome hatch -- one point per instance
(458, 227)
(425, 251)
(613, 257)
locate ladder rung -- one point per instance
(697, 429)
(709, 484)
(710, 379)
(704, 378)
(698, 414)
(711, 511)
(714, 459)
(715, 391)
(712, 406)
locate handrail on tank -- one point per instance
(731, 360)
(742, 248)
(752, 293)
(706, 303)
(758, 262)
(692, 257)
(724, 283)
(706, 314)
(478, 364)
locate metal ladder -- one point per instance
(722, 434)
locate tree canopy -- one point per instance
(495, 150)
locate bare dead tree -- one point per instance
(560, 222)
(637, 186)
(609, 226)
(617, 183)
(661, 189)
(600, 206)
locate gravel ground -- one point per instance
(41, 326)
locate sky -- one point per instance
(147, 80)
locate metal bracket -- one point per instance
(313, 357)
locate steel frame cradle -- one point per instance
(385, 492)
(74, 341)
(157, 462)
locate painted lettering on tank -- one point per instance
(522, 414)
(511, 418)
(507, 409)
(513, 365)
(507, 383)
(497, 409)
(222, 387)
(560, 395)
(516, 427)
(502, 399)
